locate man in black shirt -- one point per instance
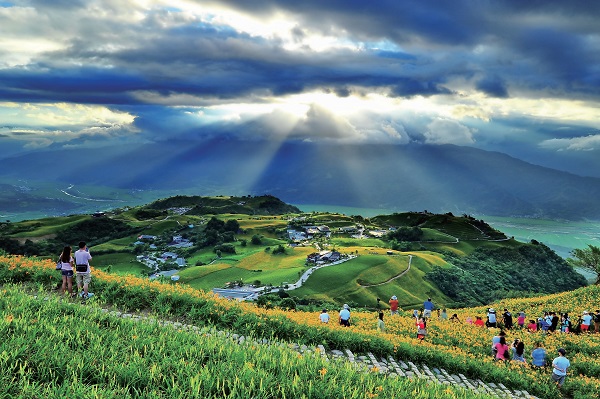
(507, 319)
(554, 322)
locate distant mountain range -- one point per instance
(443, 178)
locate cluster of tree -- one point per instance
(283, 300)
(217, 232)
(489, 274)
(28, 248)
(587, 258)
(146, 213)
(406, 234)
(263, 205)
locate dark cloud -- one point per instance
(493, 87)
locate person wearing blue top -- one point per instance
(345, 316)
(538, 355)
(427, 308)
(559, 367)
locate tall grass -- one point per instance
(52, 349)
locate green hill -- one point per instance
(457, 260)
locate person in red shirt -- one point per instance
(479, 322)
(394, 305)
(532, 326)
(421, 328)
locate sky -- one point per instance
(518, 77)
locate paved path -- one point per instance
(307, 274)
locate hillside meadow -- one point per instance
(456, 347)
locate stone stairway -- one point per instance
(390, 367)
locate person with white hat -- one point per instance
(345, 316)
(586, 321)
(394, 305)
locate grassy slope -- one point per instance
(342, 283)
(129, 360)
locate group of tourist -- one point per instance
(502, 352)
(78, 264)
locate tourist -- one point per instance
(518, 350)
(565, 323)
(345, 316)
(427, 308)
(415, 313)
(421, 328)
(380, 324)
(82, 267)
(491, 318)
(538, 355)
(455, 318)
(559, 367)
(597, 322)
(479, 321)
(544, 324)
(521, 319)
(507, 319)
(469, 320)
(532, 326)
(394, 305)
(66, 263)
(502, 350)
(495, 340)
(324, 316)
(554, 322)
(586, 321)
(444, 315)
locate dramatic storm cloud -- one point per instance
(522, 77)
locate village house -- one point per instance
(146, 237)
(180, 242)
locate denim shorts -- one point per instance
(68, 273)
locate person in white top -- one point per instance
(324, 316)
(66, 269)
(82, 266)
(586, 321)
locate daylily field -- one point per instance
(42, 345)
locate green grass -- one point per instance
(120, 263)
(49, 226)
(358, 242)
(53, 350)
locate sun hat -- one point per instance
(346, 306)
(394, 297)
(562, 351)
(491, 309)
(585, 312)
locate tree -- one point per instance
(587, 258)
(232, 225)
